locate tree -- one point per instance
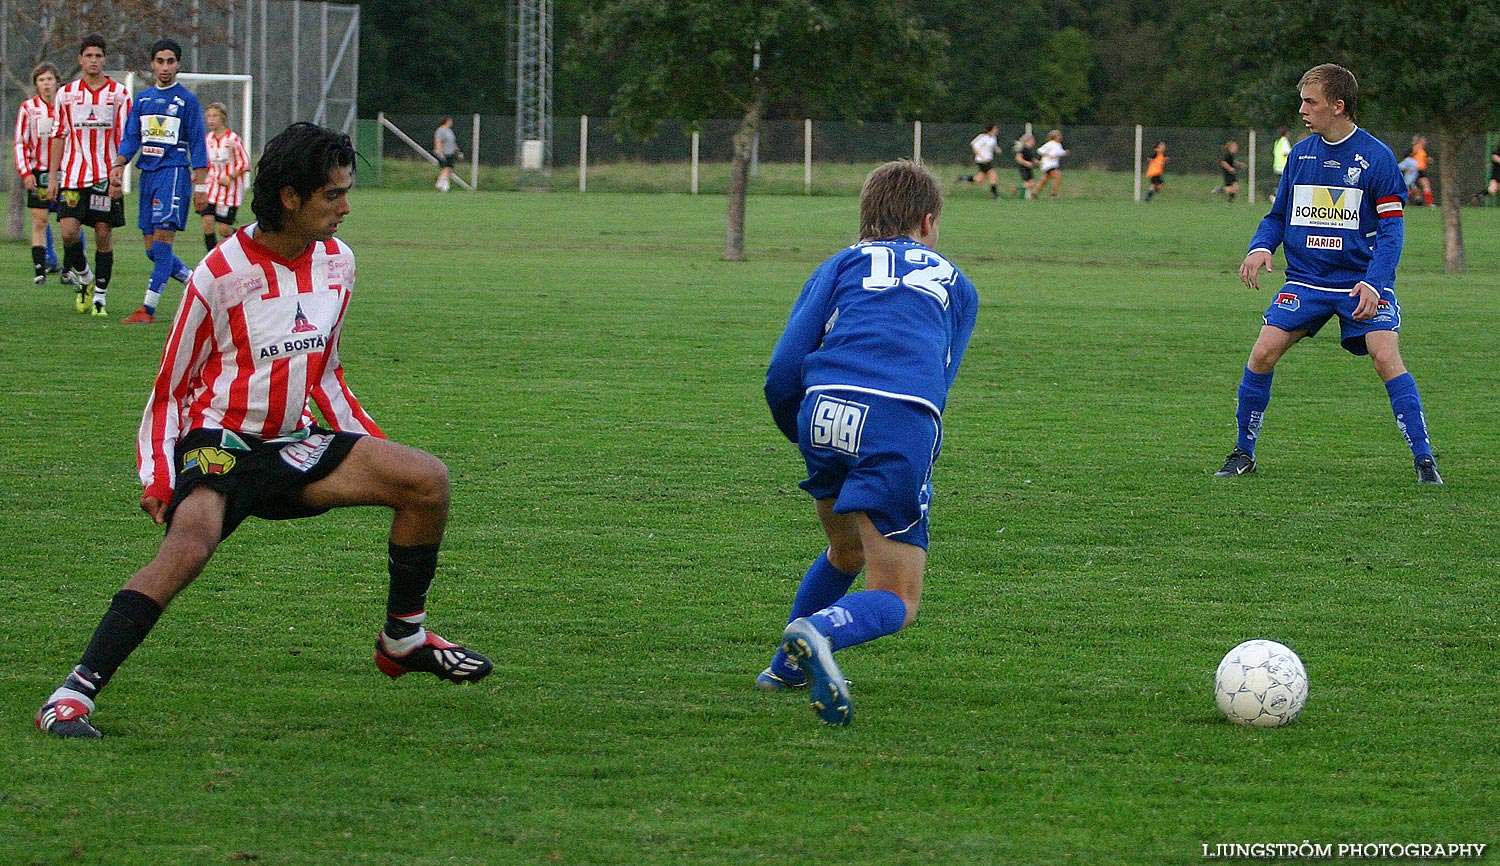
(1430, 66)
(698, 59)
(1062, 92)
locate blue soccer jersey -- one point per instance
(166, 125)
(891, 318)
(1338, 213)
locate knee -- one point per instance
(846, 556)
(426, 484)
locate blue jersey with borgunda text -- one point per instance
(166, 125)
(1338, 213)
(890, 317)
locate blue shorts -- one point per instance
(166, 199)
(872, 454)
(1299, 308)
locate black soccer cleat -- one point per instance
(1240, 462)
(435, 656)
(1427, 471)
(67, 718)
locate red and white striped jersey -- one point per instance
(33, 135)
(254, 341)
(90, 123)
(227, 157)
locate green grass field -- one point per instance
(627, 533)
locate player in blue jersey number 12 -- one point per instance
(859, 380)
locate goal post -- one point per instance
(237, 92)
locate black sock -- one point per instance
(104, 268)
(39, 260)
(412, 570)
(73, 257)
(994, 191)
(209, 241)
(129, 619)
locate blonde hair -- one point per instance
(219, 107)
(895, 199)
(44, 66)
(1337, 84)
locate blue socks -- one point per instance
(860, 617)
(821, 586)
(51, 261)
(1407, 407)
(1255, 396)
(164, 266)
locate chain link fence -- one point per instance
(598, 154)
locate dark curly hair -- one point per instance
(302, 157)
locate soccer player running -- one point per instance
(91, 116)
(228, 432)
(34, 122)
(166, 127)
(1156, 169)
(984, 146)
(228, 165)
(859, 380)
(1338, 214)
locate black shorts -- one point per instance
(447, 161)
(1157, 179)
(36, 199)
(262, 479)
(222, 213)
(1025, 173)
(983, 167)
(1230, 177)
(91, 206)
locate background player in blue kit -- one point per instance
(1338, 215)
(859, 380)
(166, 126)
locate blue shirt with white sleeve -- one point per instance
(888, 317)
(166, 125)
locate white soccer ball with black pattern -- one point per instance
(1261, 683)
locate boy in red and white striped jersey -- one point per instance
(91, 116)
(34, 123)
(228, 431)
(228, 165)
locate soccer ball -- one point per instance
(1261, 683)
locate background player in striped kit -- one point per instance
(228, 432)
(228, 166)
(859, 380)
(1339, 218)
(91, 115)
(166, 128)
(34, 121)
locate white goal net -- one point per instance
(237, 92)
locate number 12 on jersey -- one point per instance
(932, 276)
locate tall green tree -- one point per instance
(1431, 66)
(698, 59)
(1062, 92)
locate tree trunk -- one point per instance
(1450, 196)
(17, 222)
(739, 182)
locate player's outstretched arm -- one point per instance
(1250, 268)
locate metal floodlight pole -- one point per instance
(534, 89)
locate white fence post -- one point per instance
(1252, 167)
(583, 153)
(1137, 162)
(695, 162)
(807, 156)
(474, 157)
(916, 142)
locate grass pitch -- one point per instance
(627, 534)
